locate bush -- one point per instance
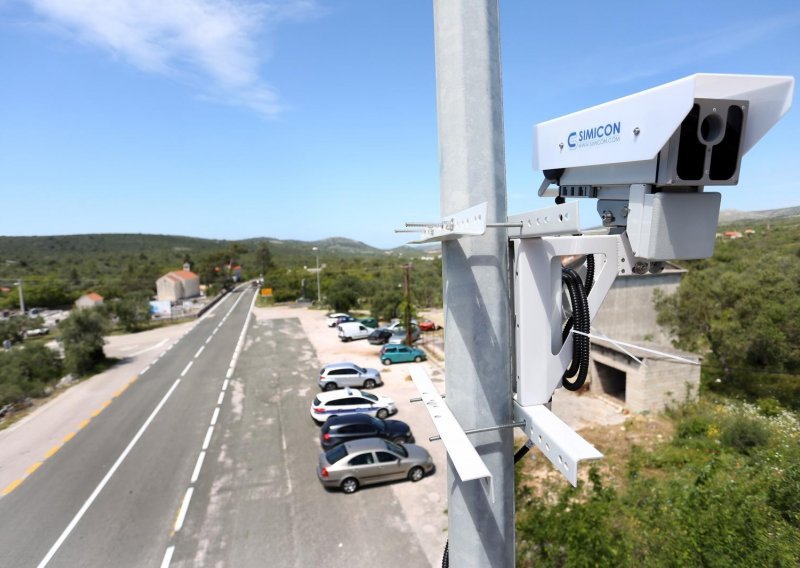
(82, 335)
(27, 372)
(744, 434)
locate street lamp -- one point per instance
(319, 294)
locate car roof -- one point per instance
(364, 444)
(327, 396)
(355, 418)
(341, 365)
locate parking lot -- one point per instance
(423, 504)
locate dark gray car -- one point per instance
(340, 375)
(347, 427)
(371, 460)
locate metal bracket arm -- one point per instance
(468, 222)
(557, 441)
(463, 455)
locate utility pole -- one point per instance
(319, 292)
(407, 293)
(475, 275)
(21, 298)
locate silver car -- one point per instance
(340, 375)
(371, 460)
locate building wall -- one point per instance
(628, 314)
(168, 289)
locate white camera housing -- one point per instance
(668, 142)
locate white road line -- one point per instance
(208, 340)
(184, 508)
(208, 437)
(215, 416)
(197, 466)
(229, 374)
(225, 385)
(167, 557)
(221, 397)
(186, 370)
(196, 355)
(156, 346)
(143, 371)
(104, 481)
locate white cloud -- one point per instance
(213, 43)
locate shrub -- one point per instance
(744, 434)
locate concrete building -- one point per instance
(89, 300)
(628, 315)
(178, 285)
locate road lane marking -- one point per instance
(68, 437)
(215, 416)
(208, 340)
(104, 481)
(96, 413)
(84, 424)
(186, 370)
(229, 374)
(51, 452)
(168, 557)
(184, 509)
(220, 398)
(156, 346)
(143, 371)
(198, 466)
(196, 355)
(120, 391)
(11, 486)
(32, 468)
(208, 437)
(225, 385)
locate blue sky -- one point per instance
(316, 118)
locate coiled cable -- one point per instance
(580, 320)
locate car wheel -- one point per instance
(383, 414)
(350, 485)
(330, 386)
(387, 362)
(369, 384)
(345, 339)
(417, 359)
(416, 473)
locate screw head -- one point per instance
(636, 131)
(561, 145)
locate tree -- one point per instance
(344, 293)
(264, 257)
(82, 336)
(132, 311)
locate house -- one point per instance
(627, 314)
(178, 285)
(90, 300)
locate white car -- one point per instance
(351, 330)
(330, 319)
(348, 401)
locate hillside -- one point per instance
(735, 216)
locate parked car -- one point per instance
(349, 401)
(354, 426)
(379, 336)
(353, 330)
(428, 325)
(399, 335)
(371, 460)
(339, 375)
(391, 353)
(370, 322)
(399, 323)
(331, 319)
(344, 319)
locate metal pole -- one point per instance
(319, 294)
(21, 298)
(476, 288)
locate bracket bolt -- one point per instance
(561, 145)
(636, 131)
(607, 217)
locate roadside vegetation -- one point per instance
(722, 490)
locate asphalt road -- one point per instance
(207, 459)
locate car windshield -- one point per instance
(396, 448)
(336, 454)
(369, 396)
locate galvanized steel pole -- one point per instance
(476, 288)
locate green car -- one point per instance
(401, 354)
(370, 322)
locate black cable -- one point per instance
(580, 321)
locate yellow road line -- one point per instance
(12, 486)
(84, 423)
(97, 412)
(32, 468)
(120, 391)
(52, 451)
(68, 437)
(105, 404)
